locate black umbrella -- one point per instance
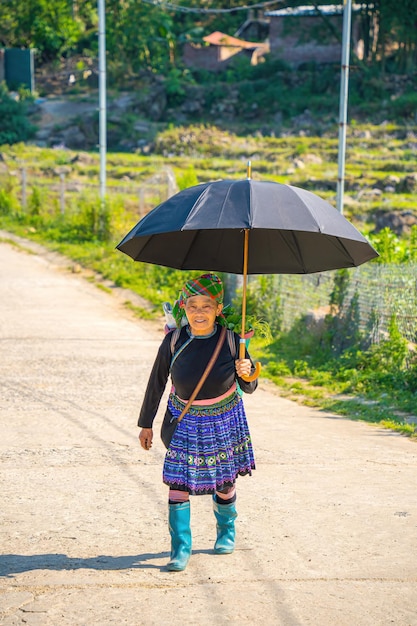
(292, 231)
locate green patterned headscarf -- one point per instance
(206, 285)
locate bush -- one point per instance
(187, 179)
(8, 202)
(404, 107)
(14, 124)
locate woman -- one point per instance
(211, 446)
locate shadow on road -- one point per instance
(11, 564)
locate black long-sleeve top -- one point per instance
(187, 370)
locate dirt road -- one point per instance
(327, 526)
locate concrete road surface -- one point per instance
(327, 526)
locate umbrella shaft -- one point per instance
(245, 280)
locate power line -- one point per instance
(176, 7)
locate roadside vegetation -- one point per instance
(372, 382)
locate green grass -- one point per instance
(381, 152)
(383, 412)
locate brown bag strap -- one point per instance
(205, 373)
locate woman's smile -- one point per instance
(201, 313)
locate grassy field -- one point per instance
(378, 158)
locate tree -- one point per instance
(145, 35)
(398, 27)
(14, 124)
(390, 34)
(53, 27)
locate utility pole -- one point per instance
(102, 95)
(344, 90)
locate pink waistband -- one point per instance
(209, 401)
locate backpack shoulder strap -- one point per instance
(174, 338)
(232, 343)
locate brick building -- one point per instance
(309, 34)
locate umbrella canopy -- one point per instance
(292, 231)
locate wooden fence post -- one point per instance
(141, 201)
(24, 190)
(62, 192)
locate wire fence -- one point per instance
(379, 292)
(385, 291)
(61, 190)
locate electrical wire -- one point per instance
(176, 7)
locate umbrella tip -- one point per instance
(249, 171)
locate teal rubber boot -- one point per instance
(180, 531)
(225, 516)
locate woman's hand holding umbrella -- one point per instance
(243, 368)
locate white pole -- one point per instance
(344, 89)
(102, 95)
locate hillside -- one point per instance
(381, 173)
(269, 99)
(285, 122)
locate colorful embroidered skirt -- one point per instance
(211, 446)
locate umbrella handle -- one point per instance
(250, 377)
(255, 375)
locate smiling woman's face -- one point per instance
(201, 312)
